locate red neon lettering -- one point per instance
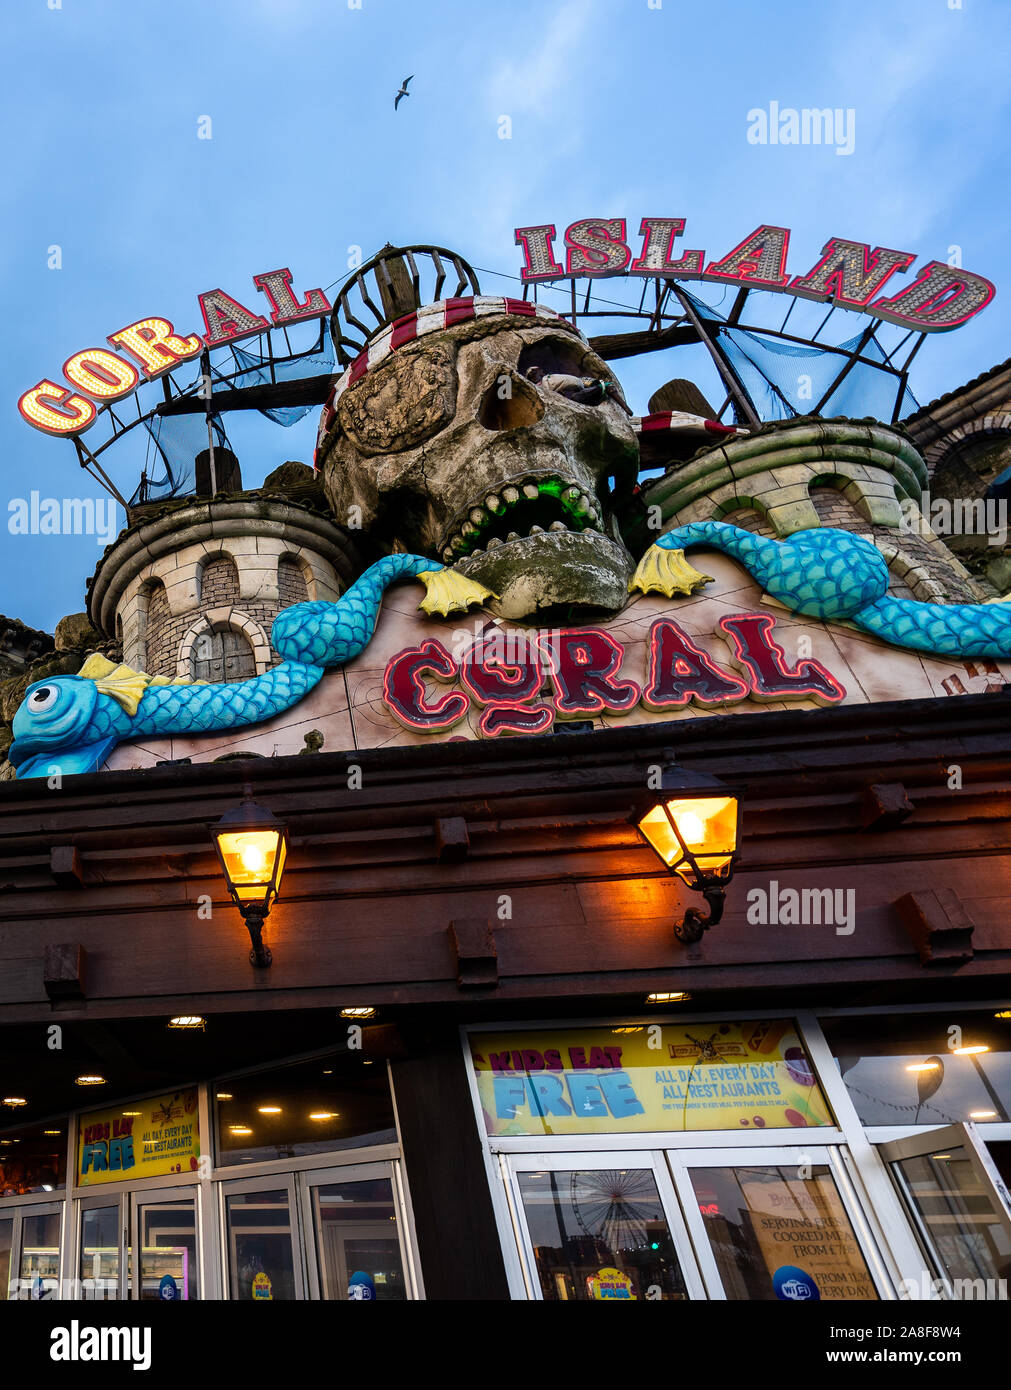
(276, 285)
(404, 690)
(583, 664)
(764, 661)
(226, 319)
(538, 253)
(504, 673)
(679, 671)
(658, 236)
(596, 246)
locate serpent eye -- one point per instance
(42, 699)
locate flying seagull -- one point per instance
(403, 91)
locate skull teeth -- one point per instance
(493, 542)
(478, 516)
(530, 491)
(558, 526)
(468, 530)
(536, 531)
(511, 494)
(513, 536)
(493, 503)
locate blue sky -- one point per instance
(617, 109)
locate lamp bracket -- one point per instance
(693, 926)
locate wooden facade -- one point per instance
(467, 882)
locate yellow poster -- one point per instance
(609, 1284)
(145, 1139)
(802, 1225)
(640, 1078)
(262, 1288)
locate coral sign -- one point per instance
(849, 273)
(523, 682)
(96, 376)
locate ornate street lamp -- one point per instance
(692, 824)
(252, 845)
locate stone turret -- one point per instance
(854, 475)
(191, 589)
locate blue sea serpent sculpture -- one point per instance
(70, 724)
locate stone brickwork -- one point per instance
(226, 563)
(291, 584)
(218, 582)
(965, 437)
(749, 519)
(803, 474)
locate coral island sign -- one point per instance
(849, 273)
(523, 683)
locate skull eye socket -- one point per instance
(42, 699)
(509, 404)
(565, 357)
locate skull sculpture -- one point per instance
(485, 435)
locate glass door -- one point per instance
(960, 1208)
(358, 1245)
(263, 1260)
(165, 1229)
(601, 1226)
(103, 1248)
(30, 1251)
(776, 1223)
(6, 1247)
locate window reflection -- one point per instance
(925, 1069)
(356, 1239)
(600, 1234)
(40, 1255)
(777, 1235)
(168, 1255)
(32, 1159)
(261, 1263)
(100, 1252)
(311, 1107)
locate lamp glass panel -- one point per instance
(708, 826)
(249, 857)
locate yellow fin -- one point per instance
(666, 572)
(96, 666)
(448, 592)
(122, 682)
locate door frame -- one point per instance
(357, 1172)
(276, 1182)
(149, 1196)
(961, 1135)
(113, 1196)
(28, 1209)
(578, 1160)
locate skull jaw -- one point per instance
(553, 577)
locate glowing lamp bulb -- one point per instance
(252, 856)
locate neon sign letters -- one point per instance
(101, 376)
(849, 273)
(522, 683)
